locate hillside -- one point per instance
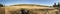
(29, 5)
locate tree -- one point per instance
(1, 5)
(54, 5)
(58, 4)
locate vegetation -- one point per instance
(1, 5)
(29, 5)
(56, 5)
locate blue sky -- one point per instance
(42, 2)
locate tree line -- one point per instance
(56, 5)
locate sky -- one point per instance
(41, 2)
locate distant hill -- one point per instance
(29, 5)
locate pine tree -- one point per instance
(54, 5)
(1, 5)
(58, 4)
